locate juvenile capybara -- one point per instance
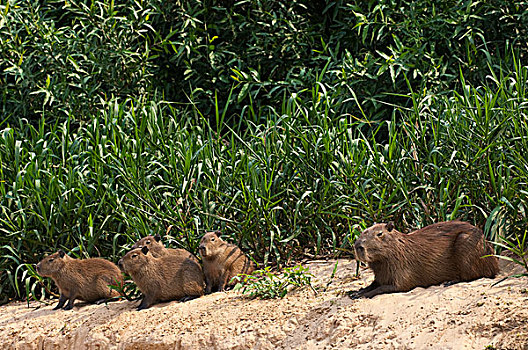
(164, 278)
(86, 279)
(221, 262)
(157, 249)
(450, 251)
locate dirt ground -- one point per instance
(472, 315)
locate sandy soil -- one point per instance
(471, 315)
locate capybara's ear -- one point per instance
(145, 250)
(218, 233)
(61, 253)
(157, 237)
(390, 226)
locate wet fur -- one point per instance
(87, 279)
(164, 278)
(444, 252)
(221, 262)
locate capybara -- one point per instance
(157, 249)
(450, 251)
(221, 262)
(168, 277)
(86, 279)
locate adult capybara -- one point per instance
(164, 278)
(157, 249)
(221, 262)
(449, 251)
(86, 279)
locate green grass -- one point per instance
(304, 181)
(122, 120)
(265, 284)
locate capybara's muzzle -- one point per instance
(360, 251)
(202, 250)
(120, 265)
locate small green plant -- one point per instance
(127, 289)
(331, 277)
(265, 284)
(517, 246)
(508, 235)
(351, 238)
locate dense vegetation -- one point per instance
(289, 125)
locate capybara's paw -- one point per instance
(449, 283)
(354, 294)
(189, 297)
(141, 307)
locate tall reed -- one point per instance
(303, 182)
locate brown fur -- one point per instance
(164, 278)
(157, 249)
(221, 262)
(86, 279)
(444, 252)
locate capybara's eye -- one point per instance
(148, 242)
(380, 234)
(50, 260)
(212, 239)
(134, 256)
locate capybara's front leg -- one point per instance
(62, 300)
(388, 288)
(223, 281)
(361, 292)
(208, 285)
(145, 303)
(71, 300)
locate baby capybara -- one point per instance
(449, 251)
(221, 262)
(86, 279)
(157, 249)
(168, 277)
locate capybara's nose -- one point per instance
(358, 246)
(360, 250)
